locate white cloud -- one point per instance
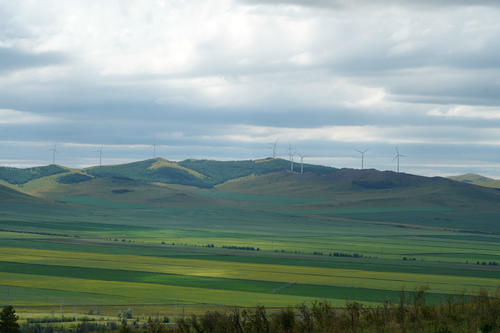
(15, 117)
(394, 135)
(465, 111)
(238, 73)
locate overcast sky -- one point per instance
(223, 79)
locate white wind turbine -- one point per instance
(301, 163)
(397, 156)
(54, 151)
(274, 145)
(290, 155)
(362, 152)
(100, 155)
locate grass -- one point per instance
(97, 202)
(235, 276)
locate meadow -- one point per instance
(92, 253)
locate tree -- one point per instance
(8, 320)
(124, 328)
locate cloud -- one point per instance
(461, 111)
(12, 59)
(15, 117)
(222, 78)
(370, 3)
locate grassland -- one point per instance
(111, 243)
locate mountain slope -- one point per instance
(200, 173)
(22, 176)
(379, 185)
(8, 194)
(371, 196)
(152, 170)
(268, 186)
(475, 179)
(218, 172)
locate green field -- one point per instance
(274, 239)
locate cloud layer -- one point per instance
(221, 79)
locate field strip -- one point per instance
(292, 289)
(248, 271)
(153, 293)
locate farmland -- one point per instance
(273, 239)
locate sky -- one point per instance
(225, 79)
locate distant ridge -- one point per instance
(210, 173)
(22, 176)
(472, 178)
(199, 173)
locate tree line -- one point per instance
(480, 313)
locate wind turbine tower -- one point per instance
(397, 156)
(301, 163)
(362, 152)
(290, 155)
(53, 150)
(274, 145)
(154, 150)
(100, 156)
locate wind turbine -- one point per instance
(53, 150)
(274, 146)
(362, 152)
(290, 155)
(100, 155)
(397, 156)
(154, 149)
(301, 163)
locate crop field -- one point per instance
(103, 249)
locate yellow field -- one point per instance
(247, 271)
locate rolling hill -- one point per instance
(7, 194)
(199, 173)
(22, 176)
(475, 179)
(359, 195)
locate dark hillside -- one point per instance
(153, 170)
(7, 194)
(369, 183)
(199, 173)
(219, 172)
(373, 196)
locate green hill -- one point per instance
(8, 194)
(475, 179)
(361, 187)
(199, 173)
(153, 170)
(218, 172)
(22, 176)
(358, 195)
